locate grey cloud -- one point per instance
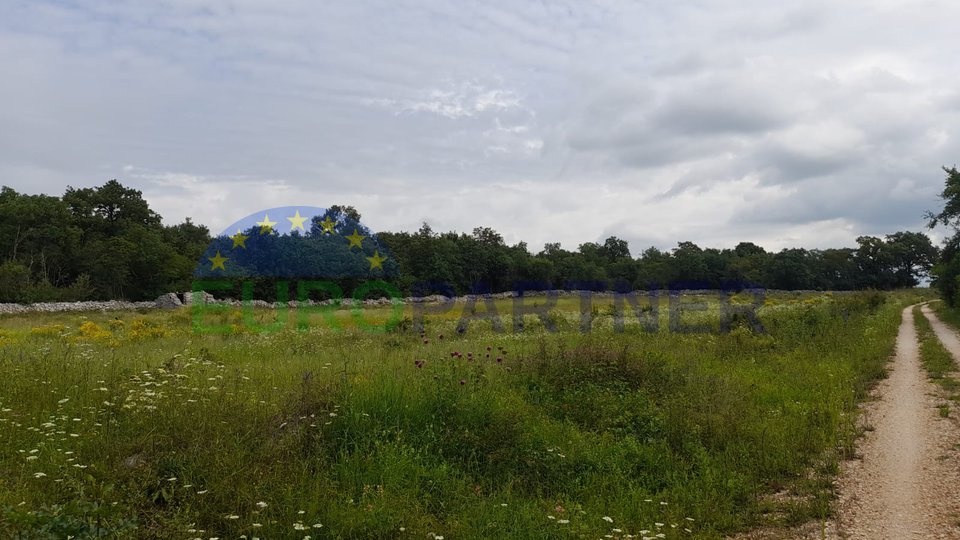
(516, 115)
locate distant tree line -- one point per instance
(897, 260)
(102, 242)
(106, 242)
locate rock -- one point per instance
(168, 301)
(203, 296)
(134, 461)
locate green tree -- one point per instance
(946, 272)
(912, 255)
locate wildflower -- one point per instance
(563, 521)
(317, 525)
(261, 504)
(232, 516)
(608, 519)
(31, 458)
(39, 474)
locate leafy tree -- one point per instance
(912, 256)
(689, 265)
(946, 271)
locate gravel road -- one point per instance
(907, 484)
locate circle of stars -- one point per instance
(328, 227)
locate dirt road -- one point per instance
(907, 484)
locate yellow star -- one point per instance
(376, 261)
(328, 225)
(218, 261)
(355, 239)
(266, 225)
(296, 222)
(239, 240)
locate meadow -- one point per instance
(133, 425)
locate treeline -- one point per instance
(898, 260)
(102, 242)
(106, 242)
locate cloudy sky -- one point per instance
(787, 124)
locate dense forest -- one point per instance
(106, 242)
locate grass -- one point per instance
(130, 425)
(935, 358)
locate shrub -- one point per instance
(14, 281)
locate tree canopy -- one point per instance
(946, 271)
(106, 242)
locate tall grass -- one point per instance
(129, 425)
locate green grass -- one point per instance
(935, 358)
(945, 313)
(142, 429)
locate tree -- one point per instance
(790, 270)
(616, 249)
(912, 256)
(950, 214)
(946, 272)
(689, 265)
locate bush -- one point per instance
(14, 282)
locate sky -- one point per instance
(788, 124)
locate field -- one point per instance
(132, 425)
